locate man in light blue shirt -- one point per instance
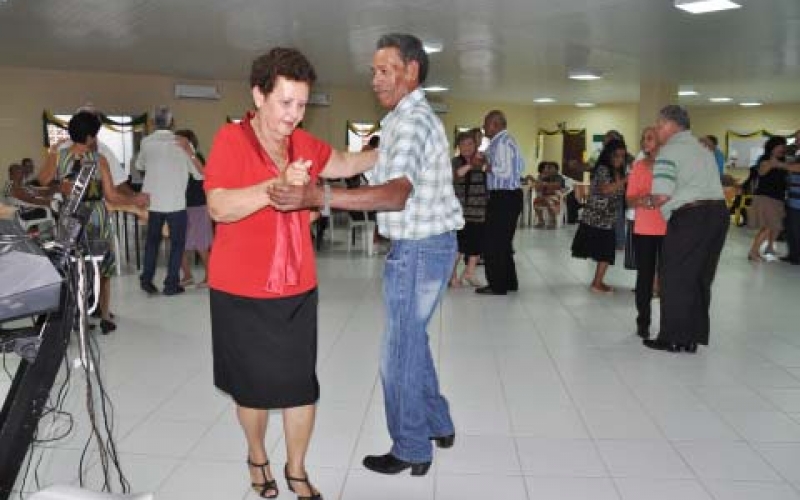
(505, 167)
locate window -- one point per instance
(359, 134)
(121, 133)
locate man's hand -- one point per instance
(185, 145)
(141, 200)
(286, 197)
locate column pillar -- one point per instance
(654, 95)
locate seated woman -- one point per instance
(549, 188)
(32, 203)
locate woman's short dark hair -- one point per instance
(83, 125)
(190, 135)
(542, 165)
(410, 48)
(463, 136)
(772, 143)
(281, 61)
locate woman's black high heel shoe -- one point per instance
(267, 489)
(315, 495)
(107, 326)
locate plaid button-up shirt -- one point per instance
(414, 145)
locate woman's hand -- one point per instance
(296, 174)
(65, 187)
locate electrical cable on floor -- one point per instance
(97, 398)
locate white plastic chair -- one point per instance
(569, 186)
(60, 492)
(367, 228)
(29, 223)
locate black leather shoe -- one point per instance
(444, 441)
(174, 291)
(661, 345)
(389, 464)
(149, 288)
(487, 290)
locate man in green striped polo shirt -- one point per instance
(687, 190)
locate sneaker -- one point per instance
(149, 288)
(174, 291)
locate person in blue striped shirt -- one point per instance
(505, 167)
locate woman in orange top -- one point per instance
(649, 229)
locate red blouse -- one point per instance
(649, 221)
(246, 254)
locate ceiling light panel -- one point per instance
(705, 6)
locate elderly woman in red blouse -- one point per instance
(261, 272)
(649, 228)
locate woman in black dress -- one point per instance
(469, 181)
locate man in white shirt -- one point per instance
(167, 163)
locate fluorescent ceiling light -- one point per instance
(720, 99)
(544, 100)
(584, 75)
(750, 104)
(585, 104)
(435, 88)
(687, 92)
(704, 6)
(432, 47)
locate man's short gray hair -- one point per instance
(676, 114)
(162, 117)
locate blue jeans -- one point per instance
(176, 221)
(415, 277)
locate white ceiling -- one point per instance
(506, 50)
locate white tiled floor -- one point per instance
(552, 394)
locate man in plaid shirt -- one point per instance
(418, 211)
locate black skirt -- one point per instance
(594, 243)
(265, 350)
(470, 238)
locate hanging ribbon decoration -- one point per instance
(570, 131)
(762, 132)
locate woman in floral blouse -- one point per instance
(595, 236)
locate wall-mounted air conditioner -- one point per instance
(186, 91)
(319, 99)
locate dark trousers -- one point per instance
(648, 253)
(694, 241)
(793, 233)
(502, 213)
(176, 221)
(573, 206)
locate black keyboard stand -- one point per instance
(29, 392)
